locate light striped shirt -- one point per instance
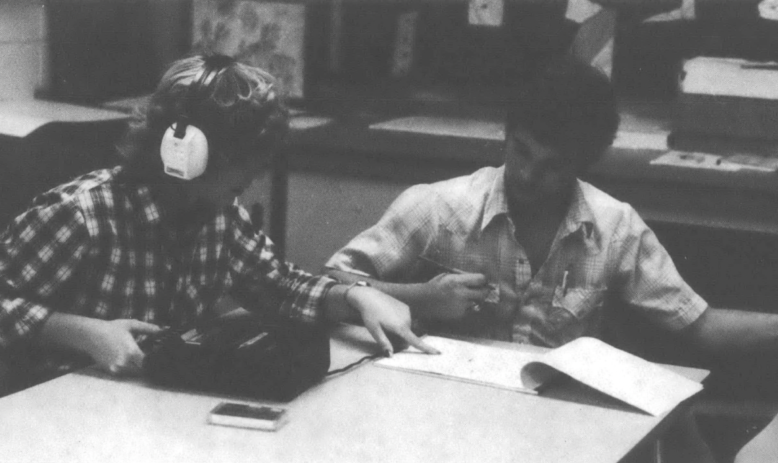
(601, 251)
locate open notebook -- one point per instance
(637, 382)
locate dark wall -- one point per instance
(51, 155)
(107, 50)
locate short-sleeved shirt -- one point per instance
(102, 248)
(602, 252)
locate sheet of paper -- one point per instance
(308, 122)
(641, 140)
(465, 361)
(642, 384)
(753, 162)
(695, 160)
(445, 126)
(731, 77)
(485, 12)
(687, 11)
(581, 10)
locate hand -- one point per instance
(449, 296)
(384, 314)
(113, 347)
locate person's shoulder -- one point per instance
(610, 214)
(97, 181)
(64, 204)
(463, 189)
(602, 203)
(457, 201)
(481, 177)
(238, 216)
(239, 222)
(443, 197)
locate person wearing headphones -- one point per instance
(158, 240)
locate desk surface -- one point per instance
(368, 414)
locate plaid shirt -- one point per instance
(101, 248)
(602, 248)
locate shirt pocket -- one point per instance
(576, 311)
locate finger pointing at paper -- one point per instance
(385, 316)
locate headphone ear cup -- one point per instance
(186, 157)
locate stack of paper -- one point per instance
(637, 382)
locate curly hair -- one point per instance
(239, 112)
(570, 106)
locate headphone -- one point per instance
(184, 148)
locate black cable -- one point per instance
(352, 365)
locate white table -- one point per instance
(370, 414)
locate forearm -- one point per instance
(730, 331)
(381, 314)
(337, 309)
(69, 331)
(337, 305)
(416, 295)
(111, 344)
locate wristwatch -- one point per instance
(361, 283)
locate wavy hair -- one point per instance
(569, 105)
(240, 113)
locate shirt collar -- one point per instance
(151, 211)
(496, 203)
(579, 219)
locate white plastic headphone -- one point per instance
(184, 148)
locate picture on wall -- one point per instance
(267, 35)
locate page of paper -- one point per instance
(695, 160)
(642, 384)
(753, 161)
(445, 126)
(466, 361)
(641, 140)
(304, 122)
